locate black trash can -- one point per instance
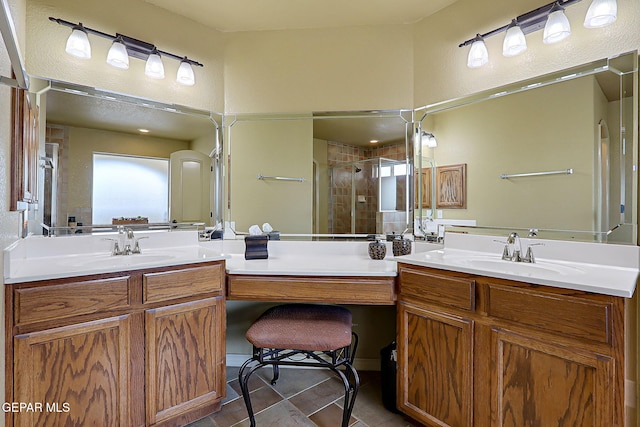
(388, 369)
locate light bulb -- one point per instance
(478, 54)
(185, 75)
(558, 27)
(601, 13)
(78, 43)
(514, 41)
(118, 56)
(154, 67)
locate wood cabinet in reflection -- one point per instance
(422, 185)
(451, 187)
(24, 148)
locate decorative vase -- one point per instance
(377, 250)
(401, 247)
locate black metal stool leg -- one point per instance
(244, 387)
(276, 374)
(350, 395)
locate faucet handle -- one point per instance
(136, 246)
(505, 253)
(115, 250)
(529, 256)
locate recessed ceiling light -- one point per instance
(374, 141)
(144, 130)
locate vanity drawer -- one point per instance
(330, 289)
(49, 302)
(586, 318)
(182, 283)
(451, 289)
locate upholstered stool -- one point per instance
(322, 333)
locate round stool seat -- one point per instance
(302, 327)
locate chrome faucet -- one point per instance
(126, 243)
(513, 250)
(128, 237)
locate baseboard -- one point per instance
(236, 360)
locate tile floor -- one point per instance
(302, 398)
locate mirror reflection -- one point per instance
(344, 173)
(112, 158)
(552, 154)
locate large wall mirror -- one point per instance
(111, 158)
(337, 173)
(557, 154)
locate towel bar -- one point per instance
(280, 178)
(519, 175)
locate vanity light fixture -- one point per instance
(78, 42)
(478, 54)
(549, 17)
(601, 13)
(123, 47)
(428, 140)
(557, 27)
(186, 75)
(118, 56)
(514, 41)
(154, 67)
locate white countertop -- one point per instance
(312, 258)
(592, 267)
(44, 258)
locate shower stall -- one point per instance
(365, 194)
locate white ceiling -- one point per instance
(257, 15)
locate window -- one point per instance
(128, 186)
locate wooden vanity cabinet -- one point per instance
(478, 351)
(137, 348)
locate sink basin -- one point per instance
(494, 263)
(519, 268)
(106, 261)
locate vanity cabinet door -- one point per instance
(74, 375)
(435, 359)
(543, 383)
(185, 350)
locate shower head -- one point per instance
(358, 169)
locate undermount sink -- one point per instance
(494, 263)
(106, 260)
(520, 268)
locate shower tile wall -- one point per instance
(56, 134)
(365, 185)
